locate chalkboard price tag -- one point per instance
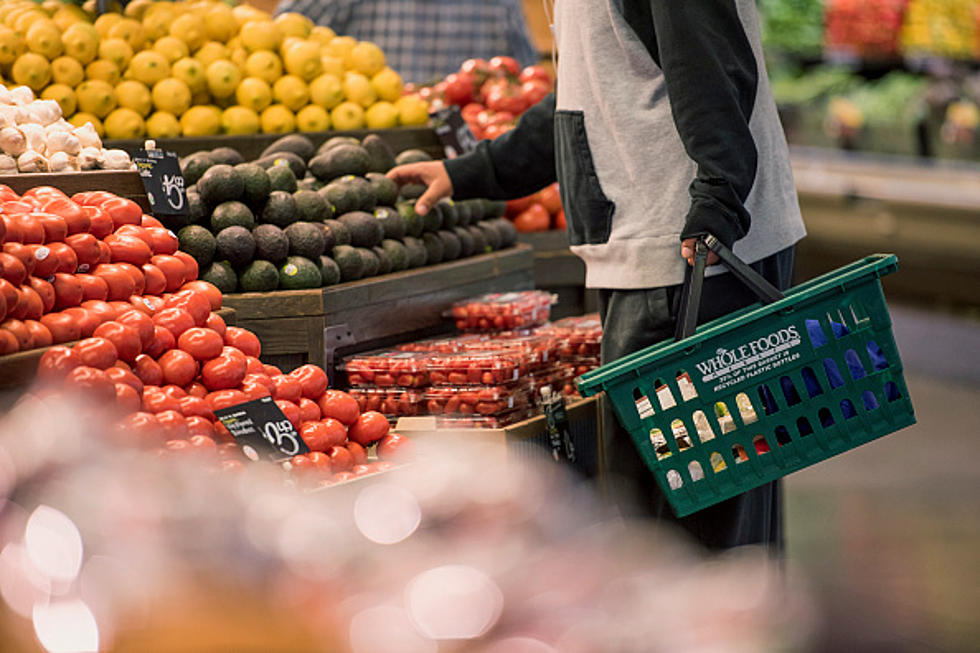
(163, 181)
(262, 430)
(452, 131)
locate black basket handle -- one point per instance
(687, 316)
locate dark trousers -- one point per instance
(635, 319)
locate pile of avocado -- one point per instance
(302, 217)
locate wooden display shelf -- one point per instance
(307, 326)
(250, 147)
(559, 271)
(125, 183)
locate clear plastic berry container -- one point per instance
(503, 311)
(534, 351)
(391, 402)
(445, 345)
(387, 369)
(477, 400)
(484, 421)
(474, 368)
(578, 336)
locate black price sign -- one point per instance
(163, 181)
(261, 430)
(453, 132)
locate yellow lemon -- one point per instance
(104, 22)
(291, 92)
(149, 67)
(247, 13)
(162, 125)
(220, 23)
(388, 85)
(117, 51)
(365, 58)
(44, 38)
(264, 65)
(260, 35)
(412, 110)
(358, 89)
(277, 119)
(313, 118)
(67, 71)
(254, 93)
(68, 15)
(381, 115)
(22, 21)
(172, 48)
(31, 69)
(234, 42)
(171, 95)
(201, 121)
(103, 70)
(239, 121)
(326, 91)
(124, 123)
(210, 52)
(11, 45)
(347, 116)
(191, 72)
(63, 95)
(134, 95)
(137, 9)
(81, 42)
(223, 78)
(80, 118)
(294, 24)
(322, 34)
(340, 47)
(131, 31)
(303, 60)
(201, 98)
(238, 57)
(190, 29)
(157, 20)
(96, 97)
(224, 102)
(50, 6)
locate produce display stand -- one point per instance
(250, 147)
(559, 271)
(314, 326)
(124, 183)
(528, 439)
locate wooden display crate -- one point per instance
(309, 326)
(125, 183)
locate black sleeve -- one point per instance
(712, 78)
(516, 164)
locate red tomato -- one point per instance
(155, 281)
(173, 426)
(245, 340)
(368, 428)
(148, 370)
(190, 265)
(162, 341)
(210, 291)
(26, 254)
(93, 287)
(40, 335)
(125, 338)
(203, 445)
(179, 367)
(57, 362)
(100, 224)
(162, 241)
(505, 66)
(312, 379)
(550, 198)
(12, 269)
(29, 306)
(141, 305)
(535, 72)
(152, 304)
(177, 320)
(156, 400)
(308, 410)
(459, 88)
(340, 406)
(255, 390)
(140, 428)
(341, 459)
(31, 229)
(92, 382)
(196, 406)
(394, 446)
(8, 342)
(63, 327)
(225, 399)
(10, 228)
(122, 211)
(87, 320)
(97, 352)
(120, 283)
(357, 452)
(119, 375)
(270, 370)
(149, 221)
(223, 372)
(67, 291)
(128, 249)
(137, 231)
(76, 220)
(127, 399)
(323, 434)
(302, 465)
(291, 411)
(139, 281)
(260, 379)
(193, 302)
(173, 269)
(103, 309)
(197, 425)
(321, 461)
(533, 92)
(196, 389)
(55, 227)
(106, 256)
(254, 366)
(560, 220)
(286, 387)
(142, 323)
(86, 248)
(174, 391)
(203, 344)
(535, 218)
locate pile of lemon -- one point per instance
(166, 69)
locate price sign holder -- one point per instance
(160, 173)
(262, 430)
(452, 131)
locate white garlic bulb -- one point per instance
(31, 161)
(8, 165)
(5, 96)
(61, 125)
(90, 158)
(87, 136)
(62, 162)
(44, 112)
(59, 141)
(22, 95)
(115, 160)
(36, 136)
(13, 141)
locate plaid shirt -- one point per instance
(427, 39)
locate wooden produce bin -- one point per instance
(559, 271)
(528, 439)
(313, 326)
(124, 183)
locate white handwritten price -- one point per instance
(173, 186)
(277, 433)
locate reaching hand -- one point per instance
(687, 252)
(431, 173)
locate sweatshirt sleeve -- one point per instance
(711, 75)
(516, 164)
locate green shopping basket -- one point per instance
(764, 391)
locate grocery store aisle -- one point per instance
(888, 535)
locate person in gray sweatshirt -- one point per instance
(662, 129)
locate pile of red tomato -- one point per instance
(541, 211)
